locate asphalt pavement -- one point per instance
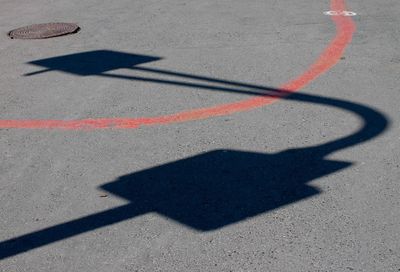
(184, 135)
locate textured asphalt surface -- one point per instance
(252, 191)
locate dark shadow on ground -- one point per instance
(91, 63)
(221, 187)
(217, 188)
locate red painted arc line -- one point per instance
(345, 28)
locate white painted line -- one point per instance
(340, 13)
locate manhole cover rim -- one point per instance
(44, 30)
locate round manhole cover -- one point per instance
(43, 31)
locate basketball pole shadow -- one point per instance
(210, 190)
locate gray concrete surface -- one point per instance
(345, 218)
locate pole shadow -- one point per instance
(210, 190)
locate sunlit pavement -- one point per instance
(201, 136)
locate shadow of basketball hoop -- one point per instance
(221, 187)
(214, 189)
(91, 63)
(100, 62)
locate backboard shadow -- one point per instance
(91, 63)
(222, 187)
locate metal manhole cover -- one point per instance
(43, 31)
